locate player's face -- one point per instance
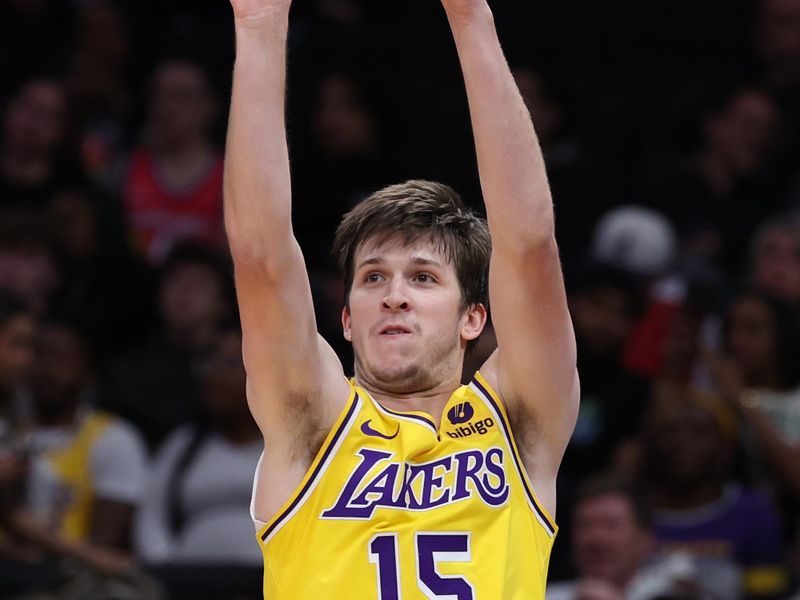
(406, 318)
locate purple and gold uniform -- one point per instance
(393, 508)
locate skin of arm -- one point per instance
(31, 530)
(295, 383)
(534, 367)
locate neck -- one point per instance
(422, 398)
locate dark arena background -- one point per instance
(670, 131)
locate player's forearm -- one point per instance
(257, 183)
(512, 170)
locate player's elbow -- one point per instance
(253, 242)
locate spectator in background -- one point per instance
(104, 286)
(78, 478)
(775, 258)
(16, 338)
(31, 146)
(643, 243)
(99, 85)
(779, 47)
(759, 377)
(16, 333)
(731, 534)
(88, 468)
(197, 498)
(717, 195)
(29, 269)
(605, 304)
(613, 549)
(636, 239)
(172, 190)
(343, 161)
(37, 34)
(576, 212)
(155, 385)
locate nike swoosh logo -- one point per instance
(366, 429)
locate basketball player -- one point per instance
(401, 483)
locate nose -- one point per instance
(396, 298)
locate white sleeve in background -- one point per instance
(152, 536)
(118, 464)
(561, 590)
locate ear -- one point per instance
(474, 322)
(348, 335)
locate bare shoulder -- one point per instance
(520, 419)
(307, 407)
(534, 445)
(292, 443)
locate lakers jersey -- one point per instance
(70, 467)
(393, 508)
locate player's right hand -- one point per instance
(253, 9)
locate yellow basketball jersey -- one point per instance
(394, 509)
(70, 466)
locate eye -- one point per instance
(424, 278)
(372, 277)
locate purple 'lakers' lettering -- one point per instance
(369, 458)
(380, 487)
(494, 466)
(434, 482)
(377, 482)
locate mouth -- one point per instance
(393, 330)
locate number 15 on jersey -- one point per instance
(431, 549)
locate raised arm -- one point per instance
(535, 364)
(287, 362)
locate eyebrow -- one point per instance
(417, 260)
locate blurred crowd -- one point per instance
(671, 134)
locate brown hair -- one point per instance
(414, 210)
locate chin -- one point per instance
(398, 374)
(394, 376)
